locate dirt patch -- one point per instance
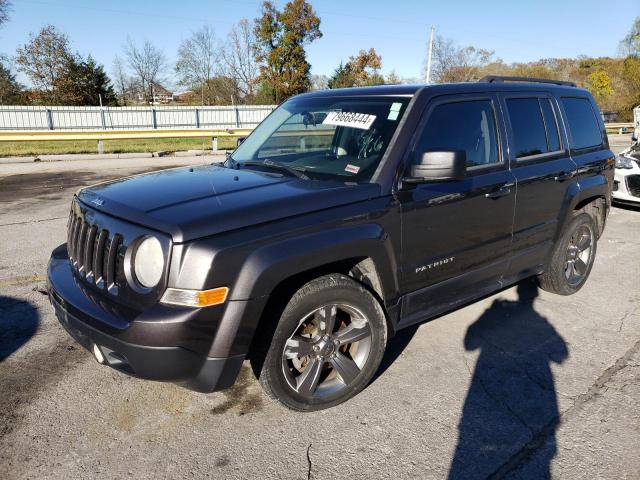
(244, 397)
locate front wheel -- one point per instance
(327, 346)
(572, 257)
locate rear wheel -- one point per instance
(572, 257)
(327, 346)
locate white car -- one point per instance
(626, 182)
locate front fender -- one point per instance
(269, 265)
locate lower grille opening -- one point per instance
(633, 185)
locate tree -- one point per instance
(281, 38)
(10, 89)
(123, 83)
(148, 63)
(342, 77)
(599, 84)
(630, 44)
(222, 90)
(197, 58)
(90, 84)
(5, 8)
(360, 71)
(455, 64)
(319, 82)
(393, 78)
(238, 59)
(45, 60)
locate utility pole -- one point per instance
(430, 54)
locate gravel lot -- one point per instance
(504, 388)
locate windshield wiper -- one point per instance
(295, 171)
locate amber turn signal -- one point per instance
(195, 298)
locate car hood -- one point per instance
(194, 202)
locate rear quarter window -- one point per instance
(583, 123)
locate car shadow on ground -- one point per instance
(511, 408)
(19, 321)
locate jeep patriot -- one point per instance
(344, 217)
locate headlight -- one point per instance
(148, 262)
(623, 162)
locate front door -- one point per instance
(455, 235)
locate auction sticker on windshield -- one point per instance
(350, 119)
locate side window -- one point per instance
(466, 125)
(551, 125)
(583, 124)
(527, 124)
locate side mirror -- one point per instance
(634, 138)
(442, 166)
(240, 140)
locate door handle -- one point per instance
(564, 176)
(501, 192)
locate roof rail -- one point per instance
(500, 79)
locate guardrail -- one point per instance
(101, 135)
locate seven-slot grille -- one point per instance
(633, 185)
(93, 252)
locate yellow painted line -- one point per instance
(11, 282)
(96, 135)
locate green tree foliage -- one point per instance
(10, 89)
(281, 37)
(89, 83)
(360, 71)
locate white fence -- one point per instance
(131, 118)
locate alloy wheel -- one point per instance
(578, 255)
(327, 351)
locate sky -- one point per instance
(518, 31)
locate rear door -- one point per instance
(455, 234)
(540, 161)
(587, 136)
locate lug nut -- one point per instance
(316, 348)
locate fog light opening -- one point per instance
(98, 354)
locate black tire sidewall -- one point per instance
(315, 294)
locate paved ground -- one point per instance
(514, 386)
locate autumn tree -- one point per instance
(197, 59)
(238, 59)
(45, 59)
(148, 63)
(360, 71)
(281, 38)
(599, 84)
(5, 7)
(10, 89)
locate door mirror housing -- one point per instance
(439, 166)
(634, 138)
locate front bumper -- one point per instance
(621, 192)
(162, 343)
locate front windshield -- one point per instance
(342, 138)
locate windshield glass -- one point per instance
(341, 138)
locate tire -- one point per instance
(303, 367)
(572, 257)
